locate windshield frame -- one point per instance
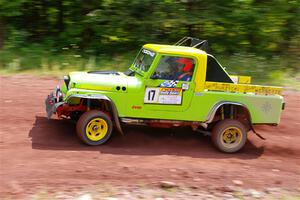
(145, 52)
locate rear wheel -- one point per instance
(94, 127)
(229, 135)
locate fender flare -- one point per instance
(214, 109)
(101, 97)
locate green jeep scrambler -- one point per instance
(167, 86)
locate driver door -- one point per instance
(171, 85)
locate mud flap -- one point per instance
(257, 134)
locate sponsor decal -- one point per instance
(169, 84)
(266, 107)
(136, 107)
(198, 94)
(185, 86)
(171, 96)
(150, 53)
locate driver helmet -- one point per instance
(187, 64)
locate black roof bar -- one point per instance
(193, 42)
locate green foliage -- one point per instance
(263, 34)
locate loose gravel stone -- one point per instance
(238, 182)
(272, 190)
(253, 193)
(85, 197)
(168, 184)
(226, 189)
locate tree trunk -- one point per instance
(60, 17)
(2, 32)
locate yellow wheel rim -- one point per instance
(96, 129)
(231, 137)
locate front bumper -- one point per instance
(53, 101)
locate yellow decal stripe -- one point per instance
(243, 88)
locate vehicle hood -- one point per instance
(98, 80)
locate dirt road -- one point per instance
(38, 153)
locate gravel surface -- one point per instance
(43, 159)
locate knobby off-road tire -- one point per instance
(94, 127)
(229, 135)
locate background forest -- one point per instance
(260, 38)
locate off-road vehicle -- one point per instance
(167, 86)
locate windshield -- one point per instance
(144, 60)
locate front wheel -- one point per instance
(94, 127)
(229, 135)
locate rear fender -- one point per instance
(218, 105)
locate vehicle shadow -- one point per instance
(57, 134)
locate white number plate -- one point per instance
(163, 96)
